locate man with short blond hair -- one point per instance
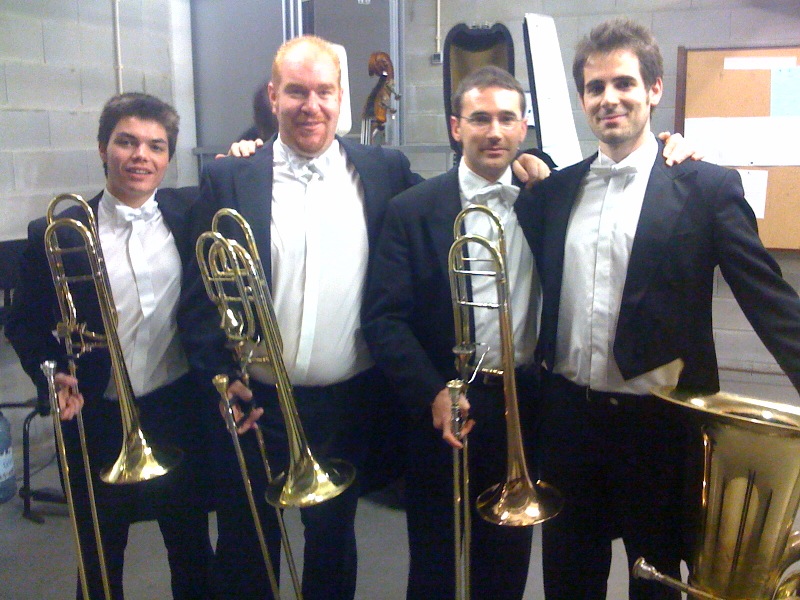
(315, 202)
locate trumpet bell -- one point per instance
(138, 462)
(308, 482)
(518, 502)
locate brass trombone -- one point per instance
(235, 281)
(517, 501)
(49, 370)
(137, 460)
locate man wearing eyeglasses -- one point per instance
(408, 325)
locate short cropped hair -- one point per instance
(317, 43)
(620, 34)
(142, 106)
(483, 78)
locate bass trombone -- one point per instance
(517, 501)
(70, 240)
(235, 281)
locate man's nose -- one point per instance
(140, 150)
(312, 102)
(610, 95)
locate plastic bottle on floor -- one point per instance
(8, 482)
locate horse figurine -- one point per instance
(378, 104)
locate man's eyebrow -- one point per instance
(130, 136)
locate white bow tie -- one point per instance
(126, 214)
(503, 193)
(305, 172)
(612, 170)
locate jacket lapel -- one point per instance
(445, 210)
(662, 206)
(560, 194)
(374, 181)
(253, 190)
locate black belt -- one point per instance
(613, 398)
(489, 379)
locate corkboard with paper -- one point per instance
(741, 107)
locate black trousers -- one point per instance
(499, 555)
(169, 416)
(337, 424)
(618, 460)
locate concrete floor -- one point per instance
(37, 561)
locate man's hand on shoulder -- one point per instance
(677, 149)
(530, 169)
(243, 148)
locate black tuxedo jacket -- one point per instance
(408, 314)
(408, 311)
(694, 218)
(246, 185)
(35, 310)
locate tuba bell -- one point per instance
(750, 497)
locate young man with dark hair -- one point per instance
(628, 253)
(142, 234)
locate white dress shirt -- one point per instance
(144, 270)
(319, 264)
(598, 246)
(523, 281)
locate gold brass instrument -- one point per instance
(462, 515)
(137, 460)
(517, 501)
(49, 370)
(750, 497)
(235, 281)
(221, 384)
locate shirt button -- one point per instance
(613, 401)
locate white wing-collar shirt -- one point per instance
(524, 298)
(319, 264)
(144, 271)
(598, 246)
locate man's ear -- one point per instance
(455, 128)
(580, 101)
(656, 91)
(272, 93)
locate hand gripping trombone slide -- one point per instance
(517, 501)
(137, 460)
(235, 281)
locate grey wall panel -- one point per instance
(362, 29)
(234, 43)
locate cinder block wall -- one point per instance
(57, 70)
(747, 367)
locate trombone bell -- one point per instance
(137, 461)
(518, 502)
(308, 482)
